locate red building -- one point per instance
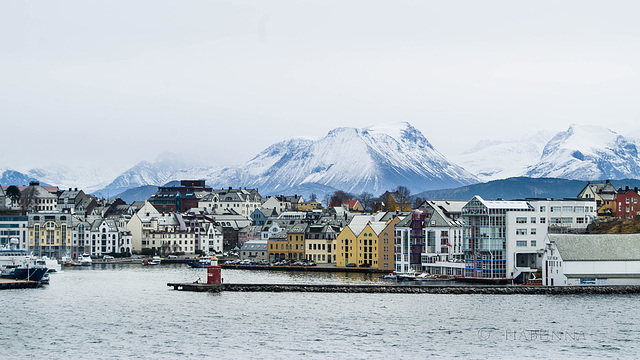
(627, 200)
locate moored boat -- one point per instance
(202, 262)
(31, 269)
(155, 260)
(85, 260)
(52, 264)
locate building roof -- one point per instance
(504, 204)
(600, 247)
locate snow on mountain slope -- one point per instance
(165, 168)
(492, 160)
(87, 179)
(372, 159)
(588, 153)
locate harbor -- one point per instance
(251, 303)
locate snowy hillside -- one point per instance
(372, 159)
(167, 167)
(587, 153)
(491, 160)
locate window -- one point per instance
(533, 243)
(533, 220)
(542, 220)
(533, 231)
(521, 231)
(521, 243)
(567, 220)
(521, 220)
(567, 208)
(556, 208)
(580, 220)
(543, 208)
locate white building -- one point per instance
(603, 259)
(505, 239)
(14, 226)
(106, 237)
(430, 240)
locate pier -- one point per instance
(410, 289)
(6, 284)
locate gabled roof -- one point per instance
(600, 247)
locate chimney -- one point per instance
(626, 188)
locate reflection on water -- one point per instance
(126, 311)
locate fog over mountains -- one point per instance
(372, 159)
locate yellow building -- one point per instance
(289, 245)
(321, 244)
(392, 201)
(358, 242)
(295, 240)
(50, 233)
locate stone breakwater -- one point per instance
(403, 289)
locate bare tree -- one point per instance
(28, 198)
(338, 197)
(366, 200)
(417, 201)
(404, 196)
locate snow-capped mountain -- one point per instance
(372, 159)
(85, 178)
(165, 168)
(492, 160)
(588, 153)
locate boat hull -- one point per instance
(32, 274)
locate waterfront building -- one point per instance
(430, 240)
(295, 240)
(627, 203)
(255, 250)
(582, 260)
(357, 244)
(604, 194)
(13, 225)
(50, 233)
(505, 239)
(386, 247)
(81, 237)
(106, 237)
(320, 243)
(277, 246)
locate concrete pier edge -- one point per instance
(408, 289)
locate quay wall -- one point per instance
(434, 289)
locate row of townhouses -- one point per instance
(476, 239)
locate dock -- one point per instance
(197, 287)
(6, 284)
(410, 289)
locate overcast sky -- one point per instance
(116, 82)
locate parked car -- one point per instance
(107, 258)
(351, 265)
(172, 257)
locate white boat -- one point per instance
(155, 260)
(85, 260)
(52, 264)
